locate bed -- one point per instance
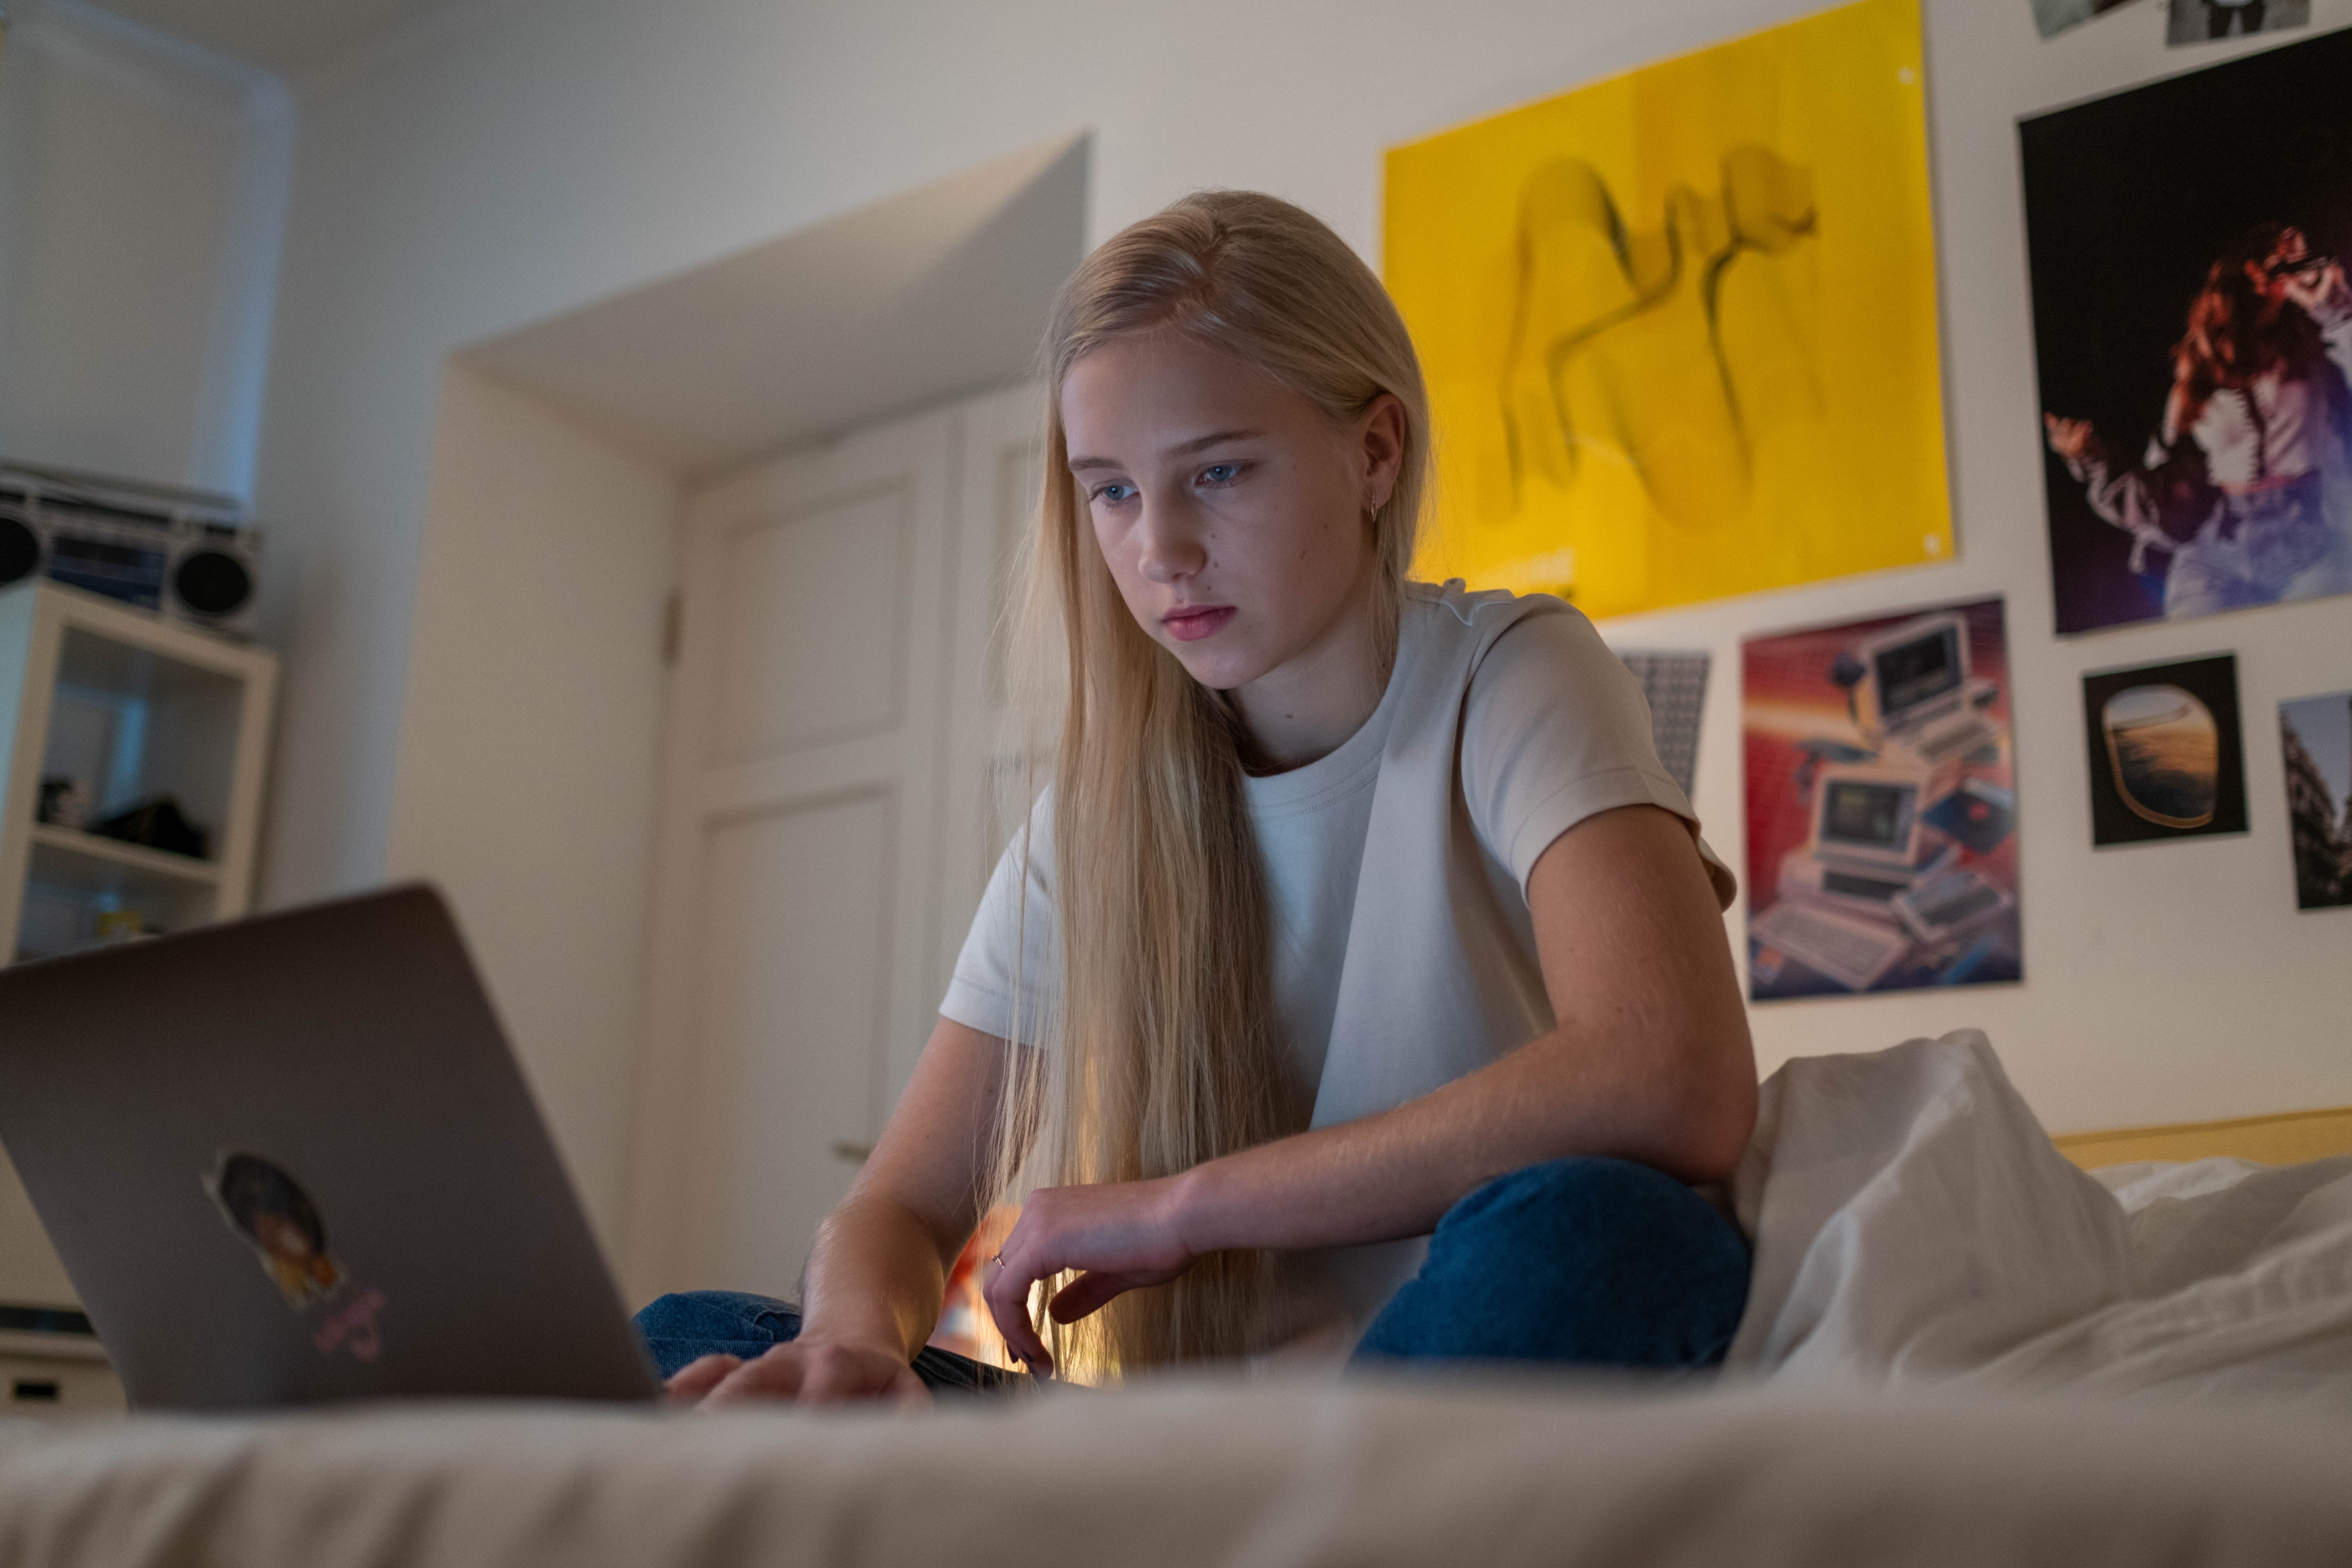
(1960, 1348)
(2293, 1139)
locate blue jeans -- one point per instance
(686, 1326)
(1586, 1262)
(1583, 1262)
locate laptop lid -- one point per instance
(292, 1159)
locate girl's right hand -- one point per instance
(2070, 439)
(809, 1372)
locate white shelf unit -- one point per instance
(65, 1375)
(132, 708)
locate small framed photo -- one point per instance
(2315, 734)
(2206, 21)
(2052, 17)
(2168, 760)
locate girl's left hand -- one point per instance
(1119, 1236)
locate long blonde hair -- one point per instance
(1161, 1048)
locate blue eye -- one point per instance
(1221, 473)
(1113, 492)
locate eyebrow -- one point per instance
(1181, 448)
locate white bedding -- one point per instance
(1959, 1349)
(1913, 1224)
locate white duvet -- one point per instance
(1914, 1225)
(1944, 1317)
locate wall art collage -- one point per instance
(1681, 336)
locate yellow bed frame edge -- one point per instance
(2288, 1139)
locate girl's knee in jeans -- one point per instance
(1589, 1260)
(717, 1315)
(1585, 1195)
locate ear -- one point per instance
(1381, 438)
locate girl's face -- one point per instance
(1234, 516)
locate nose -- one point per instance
(1170, 549)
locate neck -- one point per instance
(1306, 708)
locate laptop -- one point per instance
(292, 1160)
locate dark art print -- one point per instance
(2167, 760)
(2052, 17)
(2316, 734)
(2193, 333)
(1674, 684)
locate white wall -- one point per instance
(142, 187)
(530, 754)
(470, 180)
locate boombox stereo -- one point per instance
(185, 554)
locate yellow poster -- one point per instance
(1679, 326)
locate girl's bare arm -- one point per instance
(876, 1276)
(1650, 1061)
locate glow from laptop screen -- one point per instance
(1857, 814)
(1917, 670)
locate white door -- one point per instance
(822, 823)
(999, 475)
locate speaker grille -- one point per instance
(212, 583)
(20, 549)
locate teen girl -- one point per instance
(1357, 910)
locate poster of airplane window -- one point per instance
(1881, 806)
(1679, 326)
(2165, 756)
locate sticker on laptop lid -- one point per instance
(269, 1211)
(269, 1208)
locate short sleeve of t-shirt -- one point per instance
(1555, 730)
(1015, 917)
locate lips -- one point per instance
(1191, 625)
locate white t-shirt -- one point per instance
(1397, 865)
(1309, 824)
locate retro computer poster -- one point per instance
(1881, 806)
(1679, 327)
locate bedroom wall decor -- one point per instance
(2056, 17)
(1882, 805)
(2202, 21)
(2166, 757)
(1675, 686)
(1680, 326)
(2179, 234)
(2315, 734)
